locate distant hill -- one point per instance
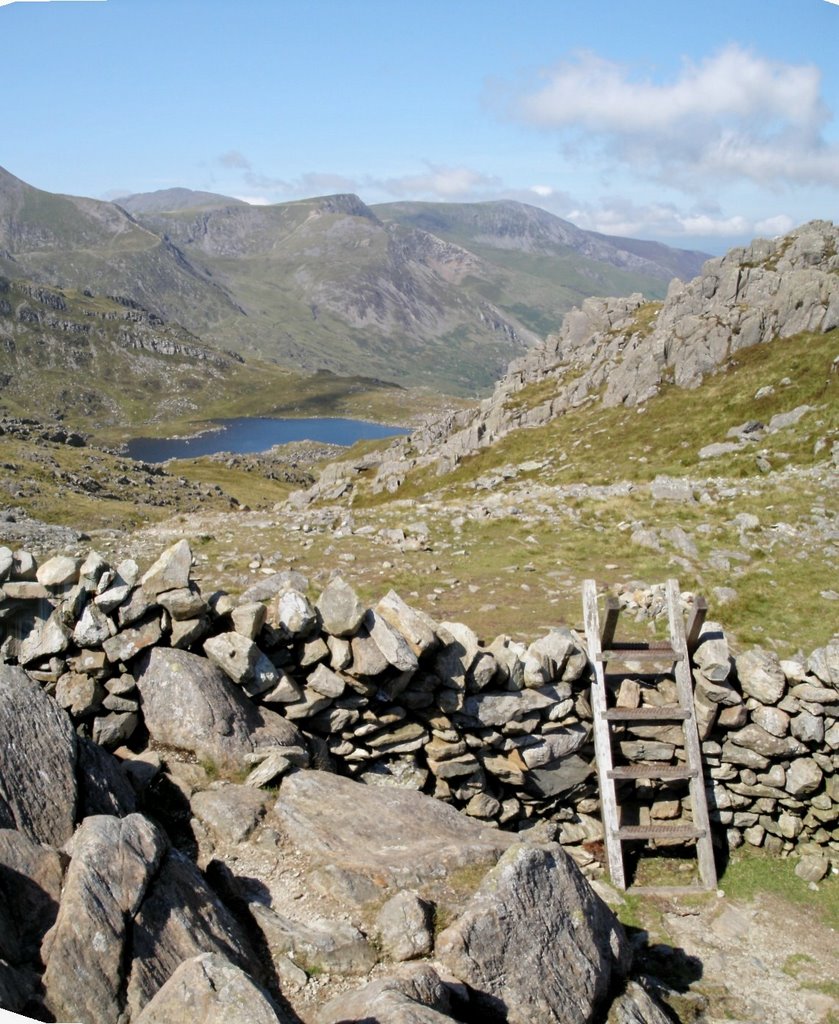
(73, 242)
(435, 294)
(543, 265)
(173, 199)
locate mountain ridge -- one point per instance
(327, 282)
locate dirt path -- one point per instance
(765, 961)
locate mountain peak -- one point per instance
(170, 199)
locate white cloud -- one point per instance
(543, 191)
(778, 225)
(440, 182)
(255, 200)
(618, 216)
(734, 114)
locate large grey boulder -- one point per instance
(536, 943)
(113, 861)
(214, 718)
(38, 791)
(181, 917)
(396, 837)
(411, 995)
(208, 989)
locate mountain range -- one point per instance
(415, 293)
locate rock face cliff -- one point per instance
(621, 351)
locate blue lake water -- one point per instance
(257, 435)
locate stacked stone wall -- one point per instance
(386, 695)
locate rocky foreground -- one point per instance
(223, 809)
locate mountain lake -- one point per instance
(257, 434)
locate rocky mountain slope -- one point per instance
(74, 242)
(322, 283)
(622, 352)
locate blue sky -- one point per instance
(699, 124)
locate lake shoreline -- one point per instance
(258, 434)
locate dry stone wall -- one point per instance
(142, 662)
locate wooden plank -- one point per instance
(693, 751)
(652, 771)
(613, 607)
(695, 623)
(659, 654)
(602, 739)
(629, 832)
(670, 713)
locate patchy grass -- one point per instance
(752, 872)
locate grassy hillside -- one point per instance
(517, 527)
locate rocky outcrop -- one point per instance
(619, 351)
(393, 836)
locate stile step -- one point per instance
(647, 714)
(652, 771)
(645, 652)
(627, 832)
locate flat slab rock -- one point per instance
(536, 943)
(397, 837)
(214, 718)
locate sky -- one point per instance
(701, 125)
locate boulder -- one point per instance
(392, 644)
(208, 989)
(113, 861)
(824, 664)
(761, 676)
(242, 661)
(412, 994)
(295, 615)
(38, 789)
(216, 720)
(180, 918)
(536, 943)
(415, 626)
(60, 571)
(134, 639)
(636, 1006)
(403, 926)
(397, 837)
(316, 943)
(231, 812)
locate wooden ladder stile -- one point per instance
(603, 651)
